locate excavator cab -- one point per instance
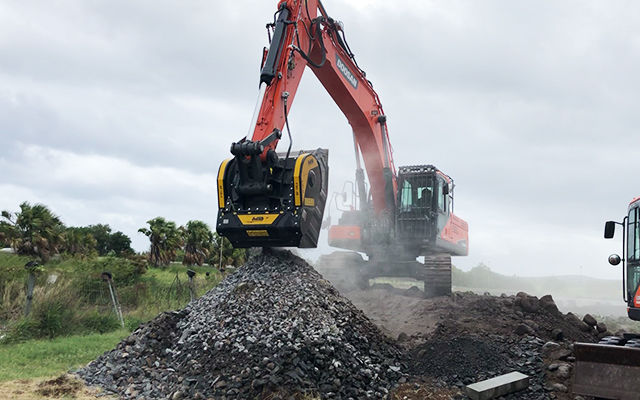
(275, 202)
(416, 215)
(424, 219)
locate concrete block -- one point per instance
(498, 386)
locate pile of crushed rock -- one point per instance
(273, 328)
(497, 335)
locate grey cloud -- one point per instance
(530, 106)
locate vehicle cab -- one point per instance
(630, 256)
(423, 199)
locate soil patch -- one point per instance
(64, 385)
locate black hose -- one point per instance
(286, 121)
(322, 46)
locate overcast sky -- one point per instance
(117, 111)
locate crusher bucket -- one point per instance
(272, 199)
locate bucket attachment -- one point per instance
(606, 371)
(275, 201)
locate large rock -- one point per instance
(573, 319)
(527, 303)
(549, 347)
(557, 387)
(547, 303)
(589, 320)
(524, 329)
(557, 334)
(564, 371)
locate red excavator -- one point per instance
(271, 199)
(611, 368)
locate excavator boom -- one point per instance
(272, 199)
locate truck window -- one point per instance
(633, 241)
(633, 279)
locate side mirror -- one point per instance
(609, 229)
(344, 197)
(445, 190)
(614, 259)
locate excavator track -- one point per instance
(344, 270)
(437, 275)
(348, 271)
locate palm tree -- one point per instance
(33, 231)
(79, 242)
(4, 240)
(197, 242)
(165, 240)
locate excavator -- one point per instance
(277, 199)
(611, 368)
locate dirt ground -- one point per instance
(417, 319)
(62, 387)
(396, 314)
(440, 331)
(486, 331)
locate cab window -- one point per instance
(406, 196)
(443, 200)
(424, 196)
(415, 195)
(633, 248)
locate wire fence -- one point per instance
(178, 293)
(143, 295)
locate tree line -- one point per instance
(195, 241)
(37, 232)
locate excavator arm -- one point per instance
(277, 199)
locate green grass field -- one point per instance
(41, 358)
(23, 356)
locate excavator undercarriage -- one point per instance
(348, 271)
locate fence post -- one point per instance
(107, 277)
(31, 283)
(178, 284)
(191, 273)
(221, 243)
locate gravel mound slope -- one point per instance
(274, 326)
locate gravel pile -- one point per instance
(273, 327)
